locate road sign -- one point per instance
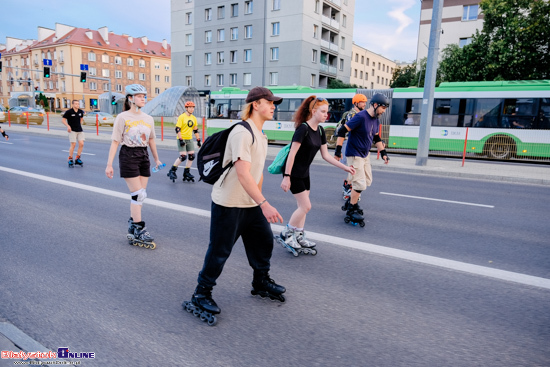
(83, 67)
(47, 62)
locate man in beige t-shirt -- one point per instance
(239, 209)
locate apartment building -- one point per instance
(117, 60)
(244, 43)
(459, 22)
(370, 70)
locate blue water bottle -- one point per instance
(159, 167)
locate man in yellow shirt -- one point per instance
(185, 128)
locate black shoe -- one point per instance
(203, 298)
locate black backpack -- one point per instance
(211, 154)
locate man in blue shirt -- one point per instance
(363, 133)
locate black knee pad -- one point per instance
(191, 156)
(183, 157)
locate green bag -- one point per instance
(278, 165)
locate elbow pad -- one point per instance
(196, 131)
(376, 139)
(342, 131)
(177, 129)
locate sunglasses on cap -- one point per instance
(318, 99)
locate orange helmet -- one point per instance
(359, 98)
(189, 104)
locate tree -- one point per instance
(513, 44)
(404, 77)
(338, 84)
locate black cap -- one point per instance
(260, 92)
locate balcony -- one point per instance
(327, 69)
(61, 60)
(333, 23)
(338, 3)
(329, 45)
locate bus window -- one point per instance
(518, 113)
(487, 112)
(285, 110)
(542, 120)
(403, 109)
(235, 107)
(466, 112)
(336, 108)
(220, 109)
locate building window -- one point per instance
(247, 31)
(247, 79)
(355, 74)
(233, 57)
(341, 64)
(317, 6)
(312, 81)
(130, 75)
(276, 5)
(356, 57)
(221, 35)
(315, 31)
(234, 10)
(274, 53)
(208, 58)
(207, 14)
(220, 57)
(360, 75)
(207, 36)
(91, 85)
(188, 60)
(219, 77)
(157, 78)
(105, 73)
(464, 41)
(130, 61)
(157, 90)
(189, 80)
(166, 67)
(373, 71)
(221, 12)
(273, 78)
(247, 55)
(344, 20)
(362, 59)
(343, 45)
(118, 60)
(188, 18)
(275, 29)
(207, 80)
(141, 76)
(92, 71)
(157, 65)
(91, 56)
(118, 74)
(188, 39)
(119, 87)
(248, 7)
(470, 12)
(105, 59)
(167, 79)
(377, 80)
(141, 63)
(314, 56)
(232, 79)
(234, 33)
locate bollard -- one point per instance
(97, 124)
(27, 119)
(48, 120)
(203, 127)
(9, 119)
(465, 143)
(162, 128)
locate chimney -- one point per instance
(44, 33)
(90, 35)
(131, 39)
(104, 33)
(164, 44)
(144, 40)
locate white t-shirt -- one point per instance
(133, 129)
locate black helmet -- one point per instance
(380, 100)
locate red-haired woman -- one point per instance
(308, 139)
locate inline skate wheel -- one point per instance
(212, 321)
(346, 219)
(313, 252)
(362, 224)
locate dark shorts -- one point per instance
(134, 162)
(298, 185)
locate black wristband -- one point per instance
(3, 134)
(338, 151)
(286, 175)
(384, 153)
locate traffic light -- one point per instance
(0, 66)
(46, 72)
(113, 100)
(83, 77)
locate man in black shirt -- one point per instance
(73, 120)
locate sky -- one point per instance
(388, 28)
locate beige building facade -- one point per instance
(370, 70)
(113, 61)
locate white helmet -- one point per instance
(134, 89)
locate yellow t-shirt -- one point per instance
(187, 124)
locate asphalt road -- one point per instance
(69, 278)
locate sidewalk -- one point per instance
(518, 172)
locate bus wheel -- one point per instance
(331, 139)
(501, 147)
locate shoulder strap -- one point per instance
(247, 126)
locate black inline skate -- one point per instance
(354, 216)
(70, 162)
(187, 176)
(264, 286)
(78, 161)
(202, 305)
(172, 174)
(138, 235)
(347, 205)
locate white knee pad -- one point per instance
(138, 197)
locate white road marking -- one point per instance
(445, 201)
(82, 153)
(5, 142)
(364, 246)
